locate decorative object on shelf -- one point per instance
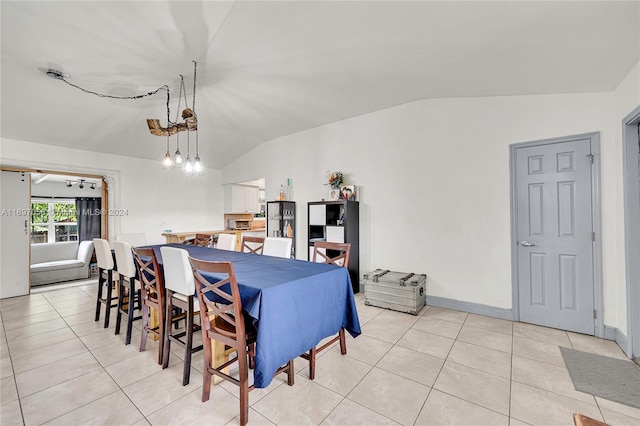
(335, 179)
(348, 192)
(189, 123)
(334, 182)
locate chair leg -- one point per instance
(290, 373)
(312, 363)
(145, 327)
(120, 307)
(160, 333)
(167, 327)
(244, 386)
(107, 313)
(132, 291)
(206, 374)
(186, 374)
(343, 342)
(99, 298)
(252, 356)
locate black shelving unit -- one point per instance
(336, 221)
(281, 221)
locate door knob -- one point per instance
(525, 243)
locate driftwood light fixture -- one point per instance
(189, 122)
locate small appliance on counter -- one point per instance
(240, 224)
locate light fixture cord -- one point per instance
(180, 97)
(168, 123)
(193, 100)
(102, 95)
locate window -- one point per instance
(53, 221)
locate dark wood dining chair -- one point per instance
(252, 244)
(153, 296)
(225, 322)
(106, 268)
(332, 254)
(181, 304)
(202, 240)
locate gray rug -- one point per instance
(613, 379)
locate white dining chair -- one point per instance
(126, 272)
(277, 246)
(180, 287)
(226, 242)
(106, 268)
(135, 239)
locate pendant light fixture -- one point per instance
(167, 161)
(189, 123)
(187, 166)
(198, 167)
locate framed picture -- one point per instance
(348, 192)
(334, 194)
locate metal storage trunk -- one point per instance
(404, 292)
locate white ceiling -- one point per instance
(268, 69)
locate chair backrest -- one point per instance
(149, 275)
(202, 240)
(277, 246)
(220, 304)
(226, 242)
(332, 253)
(103, 253)
(124, 259)
(135, 239)
(178, 275)
(252, 244)
(85, 252)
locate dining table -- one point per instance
(294, 304)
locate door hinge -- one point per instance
(590, 157)
(595, 316)
(593, 236)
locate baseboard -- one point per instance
(610, 333)
(470, 307)
(613, 333)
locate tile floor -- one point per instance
(59, 367)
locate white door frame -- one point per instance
(632, 229)
(598, 300)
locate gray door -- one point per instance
(554, 234)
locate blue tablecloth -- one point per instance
(294, 303)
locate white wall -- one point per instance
(626, 98)
(434, 184)
(153, 199)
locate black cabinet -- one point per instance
(281, 221)
(337, 222)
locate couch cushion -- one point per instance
(59, 264)
(49, 252)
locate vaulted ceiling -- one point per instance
(268, 69)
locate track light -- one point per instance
(93, 186)
(69, 184)
(81, 185)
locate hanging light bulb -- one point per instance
(167, 161)
(177, 158)
(198, 167)
(187, 166)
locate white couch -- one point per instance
(56, 262)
